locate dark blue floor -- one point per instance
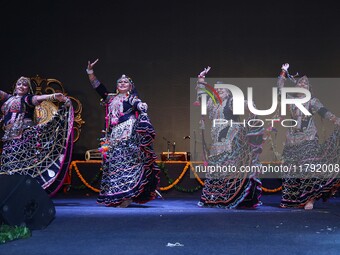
(82, 227)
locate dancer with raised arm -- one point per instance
(232, 146)
(303, 151)
(130, 173)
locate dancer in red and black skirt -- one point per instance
(303, 152)
(42, 151)
(130, 173)
(233, 146)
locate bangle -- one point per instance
(51, 97)
(89, 71)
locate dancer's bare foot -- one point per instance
(309, 205)
(334, 190)
(125, 203)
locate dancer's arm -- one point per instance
(51, 97)
(282, 76)
(96, 84)
(318, 107)
(93, 79)
(3, 96)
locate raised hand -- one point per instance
(90, 65)
(285, 67)
(204, 72)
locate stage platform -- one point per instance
(179, 226)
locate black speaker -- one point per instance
(23, 202)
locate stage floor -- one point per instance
(83, 227)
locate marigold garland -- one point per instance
(177, 180)
(174, 183)
(170, 180)
(272, 190)
(196, 175)
(74, 165)
(276, 189)
(83, 186)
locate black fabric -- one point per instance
(228, 112)
(102, 91)
(322, 111)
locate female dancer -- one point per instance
(130, 173)
(232, 146)
(302, 151)
(40, 150)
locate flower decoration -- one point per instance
(104, 148)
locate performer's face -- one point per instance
(123, 85)
(303, 84)
(222, 92)
(22, 87)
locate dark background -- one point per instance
(160, 45)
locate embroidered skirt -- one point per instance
(304, 184)
(129, 168)
(234, 188)
(43, 151)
